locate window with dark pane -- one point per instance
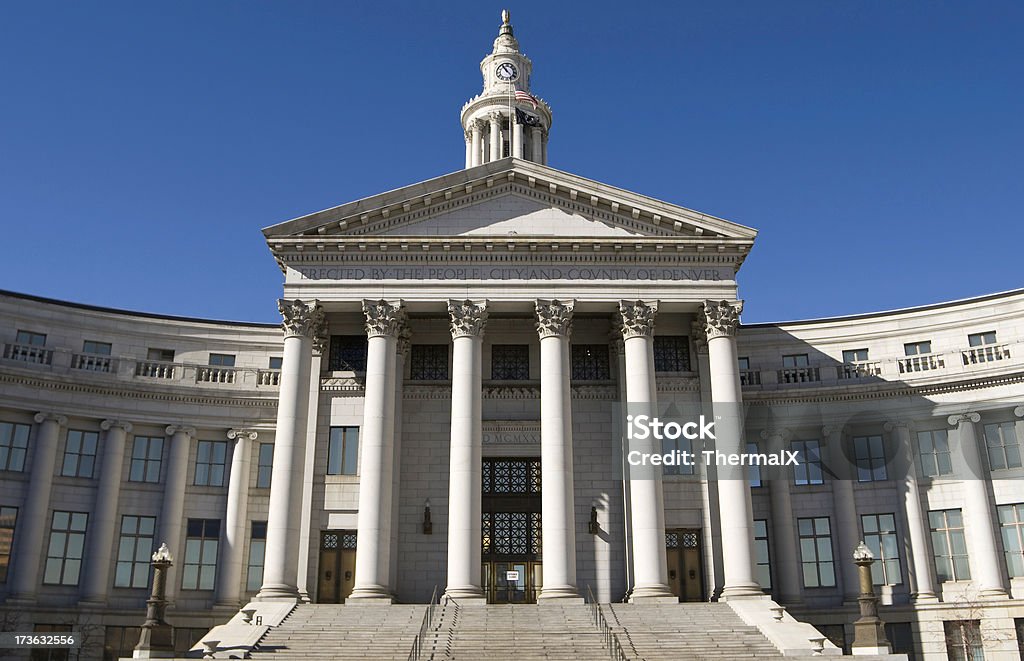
(510, 362)
(347, 354)
(428, 362)
(199, 568)
(257, 555)
(590, 362)
(671, 353)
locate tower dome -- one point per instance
(506, 119)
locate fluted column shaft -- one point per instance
(376, 462)
(787, 560)
(103, 520)
(468, 319)
(980, 529)
(33, 519)
(847, 527)
(922, 582)
(554, 322)
(303, 325)
(737, 521)
(173, 506)
(229, 574)
(647, 500)
(495, 119)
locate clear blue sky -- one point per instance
(877, 146)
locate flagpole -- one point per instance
(511, 118)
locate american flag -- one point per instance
(526, 97)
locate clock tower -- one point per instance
(492, 126)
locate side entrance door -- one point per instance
(685, 576)
(337, 569)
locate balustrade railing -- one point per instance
(859, 370)
(799, 375)
(29, 353)
(750, 377)
(153, 369)
(988, 353)
(921, 363)
(215, 374)
(268, 378)
(91, 362)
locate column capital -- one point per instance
(242, 434)
(700, 336)
(468, 318)
(537, 130)
(892, 425)
(171, 430)
(300, 318)
(477, 125)
(970, 416)
(383, 318)
(495, 116)
(781, 433)
(47, 416)
(107, 425)
(1019, 411)
(554, 317)
(467, 134)
(637, 318)
(721, 318)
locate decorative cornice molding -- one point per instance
(721, 318)
(171, 430)
(46, 416)
(107, 425)
(553, 317)
(969, 416)
(637, 318)
(343, 383)
(677, 384)
(383, 318)
(468, 318)
(301, 319)
(242, 434)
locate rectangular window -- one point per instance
(428, 362)
(808, 468)
(1003, 450)
(64, 552)
(744, 363)
(933, 448)
(221, 360)
(275, 362)
(917, 348)
(160, 355)
(762, 554)
(949, 545)
(963, 640)
(13, 446)
(210, 460)
(8, 519)
(880, 537)
(673, 445)
(510, 362)
(343, 451)
(753, 470)
(981, 339)
(134, 550)
(119, 642)
(79, 453)
(795, 360)
(348, 353)
(147, 452)
(96, 348)
(590, 362)
(671, 353)
(1011, 522)
(816, 552)
(199, 568)
(257, 551)
(869, 452)
(855, 355)
(264, 465)
(30, 337)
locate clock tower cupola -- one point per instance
(506, 119)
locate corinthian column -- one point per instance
(496, 122)
(302, 323)
(477, 130)
(229, 576)
(647, 500)
(468, 319)
(980, 529)
(558, 521)
(384, 321)
(34, 518)
(103, 520)
(721, 320)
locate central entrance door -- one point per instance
(684, 567)
(511, 543)
(337, 571)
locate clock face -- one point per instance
(506, 71)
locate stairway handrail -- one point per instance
(421, 638)
(615, 650)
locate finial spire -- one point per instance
(506, 17)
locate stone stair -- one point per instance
(343, 632)
(685, 632)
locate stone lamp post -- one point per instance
(155, 639)
(869, 630)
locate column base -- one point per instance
(564, 594)
(652, 594)
(375, 594)
(993, 593)
(277, 593)
(742, 591)
(464, 594)
(924, 597)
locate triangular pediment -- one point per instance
(509, 198)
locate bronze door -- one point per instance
(337, 569)
(511, 540)
(685, 575)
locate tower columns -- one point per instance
(517, 137)
(495, 153)
(476, 129)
